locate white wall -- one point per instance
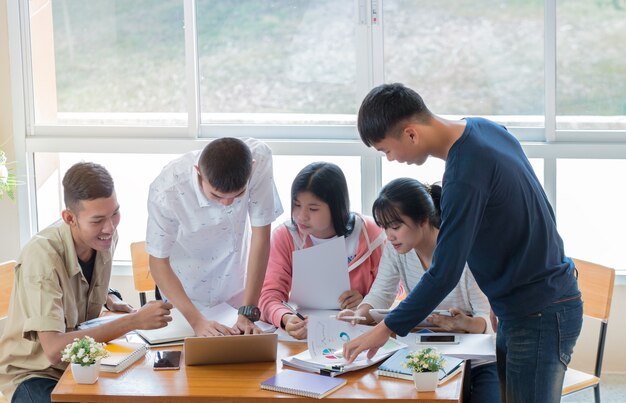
(9, 227)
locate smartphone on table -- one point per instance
(437, 339)
(166, 359)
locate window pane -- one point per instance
(108, 61)
(286, 167)
(469, 57)
(591, 89)
(276, 57)
(590, 210)
(132, 174)
(429, 173)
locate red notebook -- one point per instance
(303, 384)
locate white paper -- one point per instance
(179, 328)
(326, 338)
(470, 347)
(320, 275)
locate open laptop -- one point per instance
(230, 349)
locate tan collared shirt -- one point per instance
(50, 293)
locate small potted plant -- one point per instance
(425, 364)
(84, 356)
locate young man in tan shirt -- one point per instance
(62, 279)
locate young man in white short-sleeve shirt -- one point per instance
(209, 216)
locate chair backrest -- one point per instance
(141, 267)
(6, 286)
(596, 286)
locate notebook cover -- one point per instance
(122, 355)
(302, 384)
(393, 367)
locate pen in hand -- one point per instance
(292, 309)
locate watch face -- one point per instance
(251, 312)
(255, 314)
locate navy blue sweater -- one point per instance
(496, 216)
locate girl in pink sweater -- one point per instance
(320, 210)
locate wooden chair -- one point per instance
(141, 270)
(596, 286)
(6, 286)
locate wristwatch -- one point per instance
(252, 312)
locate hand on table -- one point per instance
(371, 341)
(206, 327)
(245, 326)
(458, 322)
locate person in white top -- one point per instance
(409, 213)
(209, 217)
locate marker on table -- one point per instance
(353, 317)
(293, 310)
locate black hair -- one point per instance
(408, 197)
(226, 163)
(327, 182)
(387, 106)
(86, 181)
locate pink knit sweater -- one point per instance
(277, 284)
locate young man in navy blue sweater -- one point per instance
(496, 216)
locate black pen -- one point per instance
(291, 308)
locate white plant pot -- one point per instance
(4, 174)
(86, 375)
(425, 381)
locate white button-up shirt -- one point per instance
(208, 243)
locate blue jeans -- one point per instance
(533, 351)
(484, 386)
(34, 390)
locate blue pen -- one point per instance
(292, 309)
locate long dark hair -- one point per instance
(408, 197)
(327, 182)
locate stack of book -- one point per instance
(122, 355)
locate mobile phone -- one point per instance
(442, 312)
(437, 339)
(166, 359)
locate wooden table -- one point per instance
(237, 383)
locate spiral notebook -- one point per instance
(122, 355)
(393, 367)
(303, 384)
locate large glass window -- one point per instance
(469, 57)
(108, 61)
(293, 72)
(276, 57)
(591, 67)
